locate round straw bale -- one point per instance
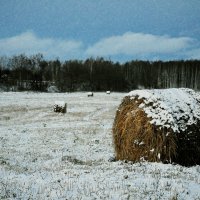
(90, 94)
(107, 92)
(158, 126)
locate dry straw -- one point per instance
(60, 106)
(136, 139)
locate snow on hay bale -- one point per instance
(60, 106)
(107, 92)
(158, 126)
(90, 94)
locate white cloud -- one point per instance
(29, 43)
(129, 45)
(138, 44)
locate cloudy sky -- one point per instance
(119, 30)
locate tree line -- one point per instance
(23, 72)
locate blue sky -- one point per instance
(119, 30)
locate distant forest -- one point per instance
(21, 72)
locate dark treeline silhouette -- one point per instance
(23, 72)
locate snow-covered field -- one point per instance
(47, 155)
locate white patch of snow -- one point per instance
(175, 108)
(47, 155)
(152, 150)
(141, 143)
(60, 103)
(90, 93)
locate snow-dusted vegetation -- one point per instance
(159, 125)
(48, 155)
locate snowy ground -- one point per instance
(47, 155)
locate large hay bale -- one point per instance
(90, 94)
(60, 106)
(158, 126)
(107, 92)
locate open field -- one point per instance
(47, 155)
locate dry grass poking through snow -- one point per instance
(48, 155)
